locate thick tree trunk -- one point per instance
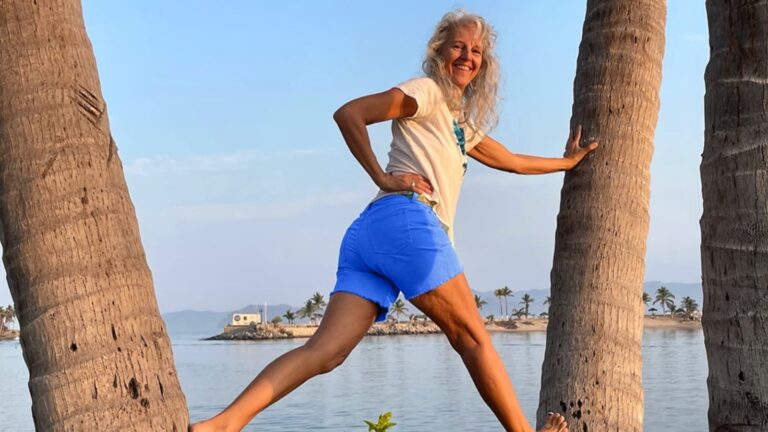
(96, 348)
(592, 366)
(734, 226)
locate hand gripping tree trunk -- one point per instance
(592, 364)
(734, 225)
(94, 343)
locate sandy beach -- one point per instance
(518, 326)
(649, 322)
(9, 335)
(670, 323)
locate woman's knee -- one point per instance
(332, 362)
(468, 337)
(324, 359)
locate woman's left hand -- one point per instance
(573, 151)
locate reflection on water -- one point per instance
(419, 378)
(675, 380)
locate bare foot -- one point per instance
(554, 423)
(207, 426)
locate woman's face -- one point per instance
(463, 55)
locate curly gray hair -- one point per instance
(479, 100)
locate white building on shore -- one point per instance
(240, 319)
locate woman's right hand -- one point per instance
(404, 182)
(574, 152)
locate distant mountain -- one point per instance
(212, 323)
(194, 322)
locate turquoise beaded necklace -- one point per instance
(459, 132)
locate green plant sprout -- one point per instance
(383, 424)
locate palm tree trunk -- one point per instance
(506, 306)
(96, 348)
(734, 225)
(592, 365)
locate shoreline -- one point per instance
(9, 335)
(658, 322)
(523, 325)
(296, 331)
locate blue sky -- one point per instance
(243, 186)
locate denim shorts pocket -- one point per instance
(421, 215)
(388, 231)
(426, 230)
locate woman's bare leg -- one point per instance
(344, 324)
(452, 307)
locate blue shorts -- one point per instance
(396, 244)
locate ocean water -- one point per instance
(419, 378)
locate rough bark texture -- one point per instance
(734, 226)
(592, 366)
(96, 348)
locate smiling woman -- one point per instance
(462, 61)
(403, 240)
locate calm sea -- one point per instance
(419, 378)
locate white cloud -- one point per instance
(275, 210)
(213, 163)
(307, 152)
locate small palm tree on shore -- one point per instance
(689, 306)
(506, 292)
(308, 311)
(290, 316)
(7, 316)
(665, 298)
(479, 302)
(673, 310)
(499, 293)
(526, 302)
(318, 300)
(399, 308)
(646, 298)
(319, 304)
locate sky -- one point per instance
(222, 113)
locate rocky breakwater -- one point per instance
(254, 332)
(403, 328)
(270, 331)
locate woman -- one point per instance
(402, 242)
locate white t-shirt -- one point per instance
(426, 144)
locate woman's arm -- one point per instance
(491, 153)
(352, 119)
